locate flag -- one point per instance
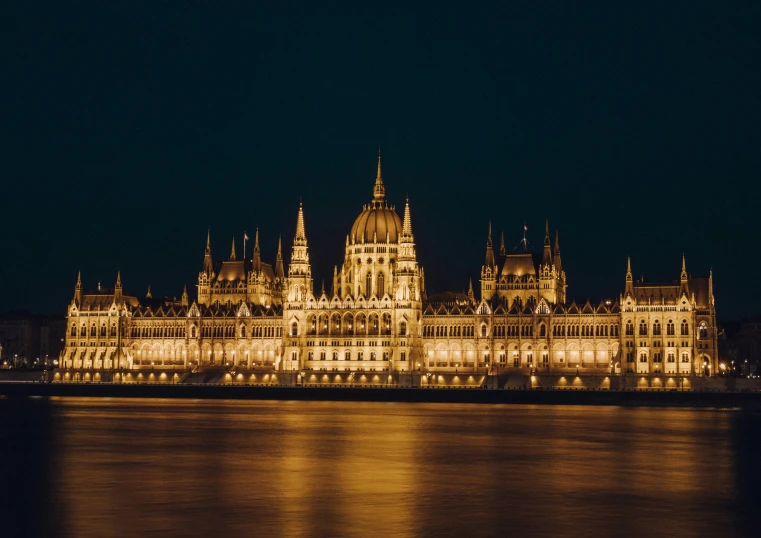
(245, 236)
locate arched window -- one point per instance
(193, 331)
(381, 284)
(73, 330)
(368, 284)
(347, 355)
(242, 331)
(703, 331)
(294, 329)
(685, 328)
(657, 328)
(643, 357)
(642, 328)
(403, 328)
(93, 331)
(670, 328)
(483, 331)
(629, 328)
(542, 330)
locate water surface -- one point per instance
(110, 467)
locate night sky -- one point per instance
(130, 127)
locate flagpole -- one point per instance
(244, 246)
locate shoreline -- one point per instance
(635, 398)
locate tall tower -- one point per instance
(407, 276)
(547, 276)
(561, 283)
(489, 271)
(300, 271)
(118, 288)
(206, 276)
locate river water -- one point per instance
(163, 468)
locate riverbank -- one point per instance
(743, 400)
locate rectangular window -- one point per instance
(403, 356)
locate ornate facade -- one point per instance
(377, 324)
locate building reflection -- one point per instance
(200, 468)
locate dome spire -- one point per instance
(379, 192)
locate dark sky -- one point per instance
(129, 127)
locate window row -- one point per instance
(670, 328)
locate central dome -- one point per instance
(377, 218)
(374, 222)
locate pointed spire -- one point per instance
(118, 287)
(556, 258)
(78, 288)
(323, 287)
(184, 299)
(279, 272)
(300, 234)
(502, 251)
(547, 254)
(257, 262)
(407, 223)
(232, 251)
(489, 262)
(683, 278)
(629, 269)
(208, 267)
(471, 294)
(148, 295)
(379, 191)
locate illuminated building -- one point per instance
(377, 323)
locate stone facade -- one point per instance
(376, 321)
